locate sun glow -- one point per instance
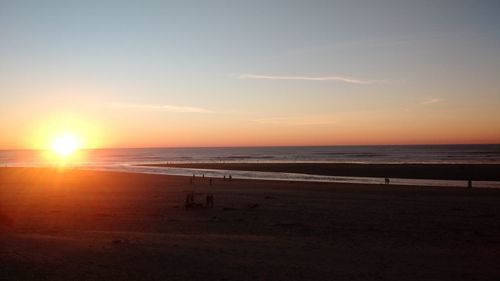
(65, 145)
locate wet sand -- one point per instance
(83, 225)
(483, 172)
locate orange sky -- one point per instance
(249, 74)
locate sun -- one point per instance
(65, 145)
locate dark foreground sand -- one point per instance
(79, 225)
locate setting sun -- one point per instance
(65, 145)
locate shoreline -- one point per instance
(464, 172)
(188, 170)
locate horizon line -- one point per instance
(258, 146)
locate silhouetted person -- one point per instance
(189, 200)
(230, 178)
(469, 183)
(210, 200)
(186, 204)
(203, 176)
(224, 178)
(387, 181)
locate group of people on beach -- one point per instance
(191, 180)
(210, 180)
(191, 203)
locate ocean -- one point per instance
(462, 154)
(127, 159)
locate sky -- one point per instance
(249, 73)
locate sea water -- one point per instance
(129, 159)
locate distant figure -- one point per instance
(193, 175)
(469, 183)
(230, 178)
(186, 204)
(210, 200)
(224, 178)
(387, 181)
(203, 176)
(189, 200)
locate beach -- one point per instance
(481, 172)
(72, 224)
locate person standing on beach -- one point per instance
(186, 204)
(210, 199)
(469, 184)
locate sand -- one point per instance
(83, 225)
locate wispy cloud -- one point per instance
(296, 121)
(164, 107)
(432, 101)
(345, 79)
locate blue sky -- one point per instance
(285, 71)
